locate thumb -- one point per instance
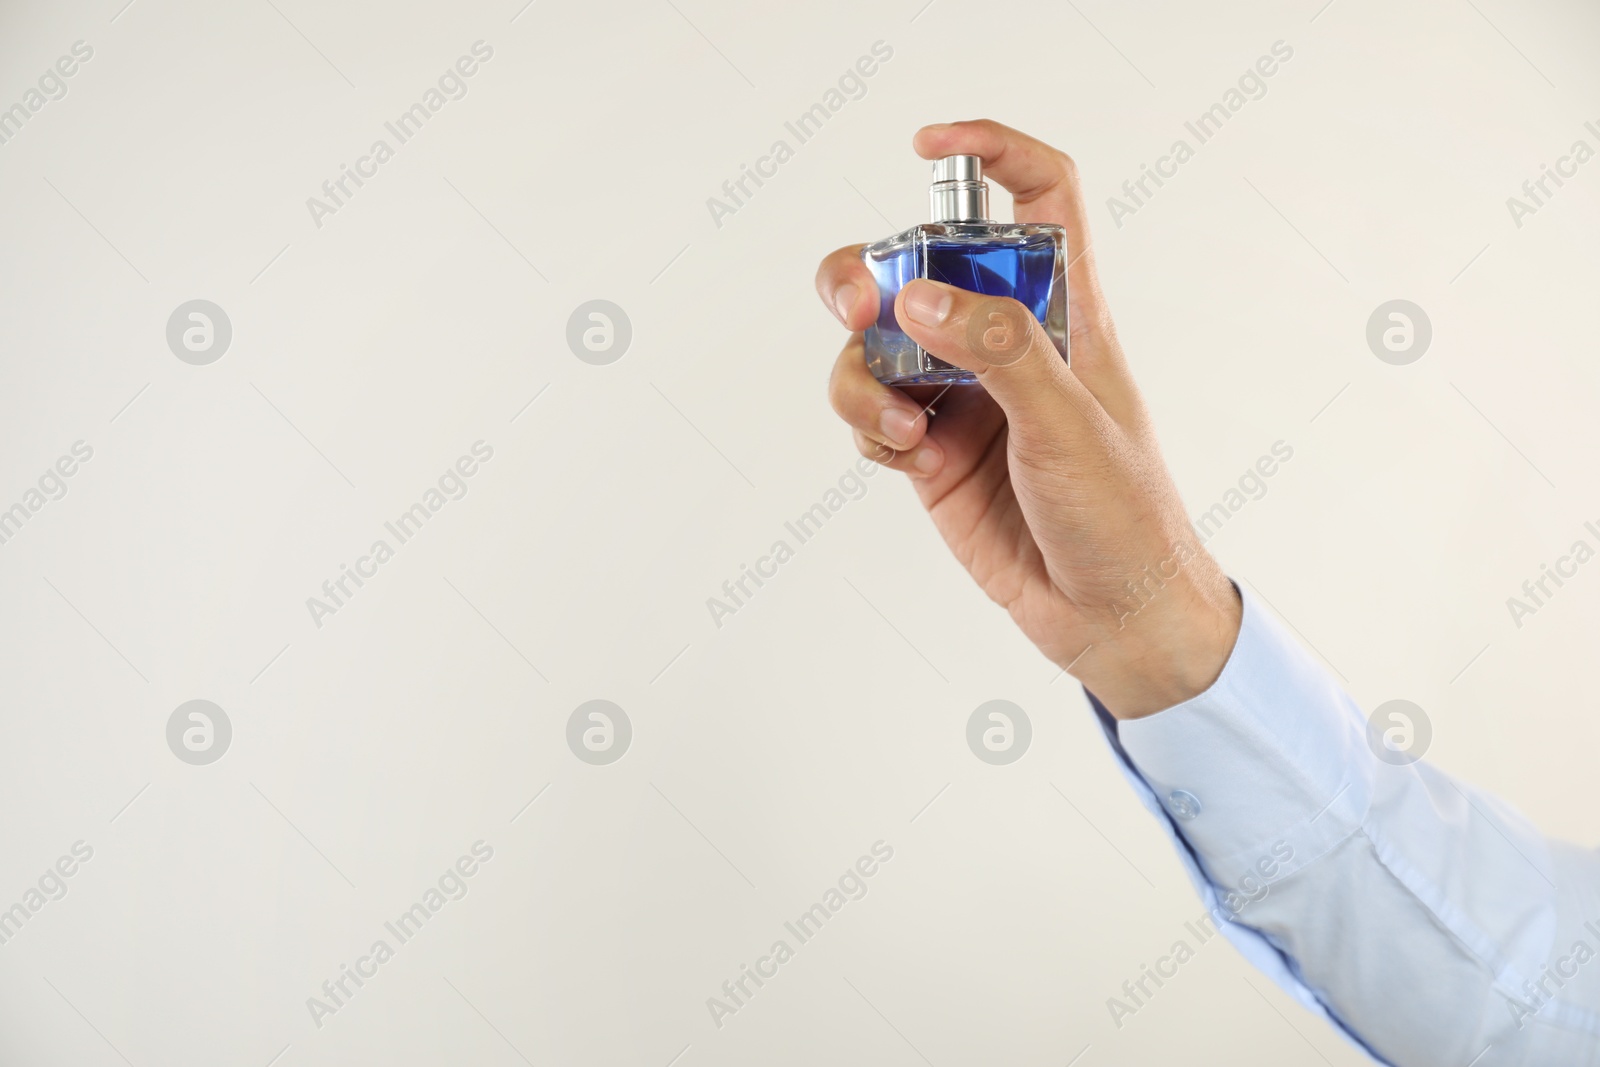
(1001, 342)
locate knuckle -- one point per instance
(849, 395)
(1068, 165)
(838, 390)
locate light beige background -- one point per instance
(770, 753)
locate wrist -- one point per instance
(1172, 650)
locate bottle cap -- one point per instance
(958, 193)
(958, 169)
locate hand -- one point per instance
(1046, 482)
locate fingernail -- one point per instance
(927, 303)
(930, 458)
(897, 424)
(844, 298)
(937, 126)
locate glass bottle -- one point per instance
(965, 248)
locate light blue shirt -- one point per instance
(1422, 917)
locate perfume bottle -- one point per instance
(963, 247)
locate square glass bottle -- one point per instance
(963, 247)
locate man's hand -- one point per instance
(1046, 483)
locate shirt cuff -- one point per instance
(1264, 772)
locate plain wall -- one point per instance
(769, 753)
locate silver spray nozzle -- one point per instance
(958, 193)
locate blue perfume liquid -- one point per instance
(1024, 261)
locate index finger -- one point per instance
(1044, 187)
(1043, 182)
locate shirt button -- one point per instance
(1184, 804)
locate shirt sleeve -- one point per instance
(1420, 916)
